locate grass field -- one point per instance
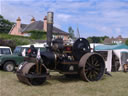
(58, 85)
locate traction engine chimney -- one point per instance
(49, 28)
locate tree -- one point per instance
(5, 25)
(95, 39)
(71, 32)
(103, 38)
(126, 42)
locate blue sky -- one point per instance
(94, 17)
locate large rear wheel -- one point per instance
(92, 67)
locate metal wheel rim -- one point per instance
(9, 67)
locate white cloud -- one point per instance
(11, 12)
(63, 17)
(117, 30)
(17, 0)
(105, 16)
(0, 7)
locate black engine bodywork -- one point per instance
(65, 57)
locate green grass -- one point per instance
(58, 85)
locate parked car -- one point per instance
(24, 48)
(10, 61)
(4, 50)
(6, 59)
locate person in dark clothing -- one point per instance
(32, 51)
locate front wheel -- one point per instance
(9, 66)
(26, 73)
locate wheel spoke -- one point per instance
(92, 60)
(93, 75)
(89, 64)
(90, 75)
(95, 72)
(96, 63)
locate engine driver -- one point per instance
(32, 51)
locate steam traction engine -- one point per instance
(67, 59)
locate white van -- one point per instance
(19, 49)
(4, 50)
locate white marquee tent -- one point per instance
(117, 50)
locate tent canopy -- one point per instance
(111, 47)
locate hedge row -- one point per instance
(13, 41)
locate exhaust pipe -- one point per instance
(49, 28)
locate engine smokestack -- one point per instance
(49, 28)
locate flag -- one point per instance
(38, 54)
(24, 52)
